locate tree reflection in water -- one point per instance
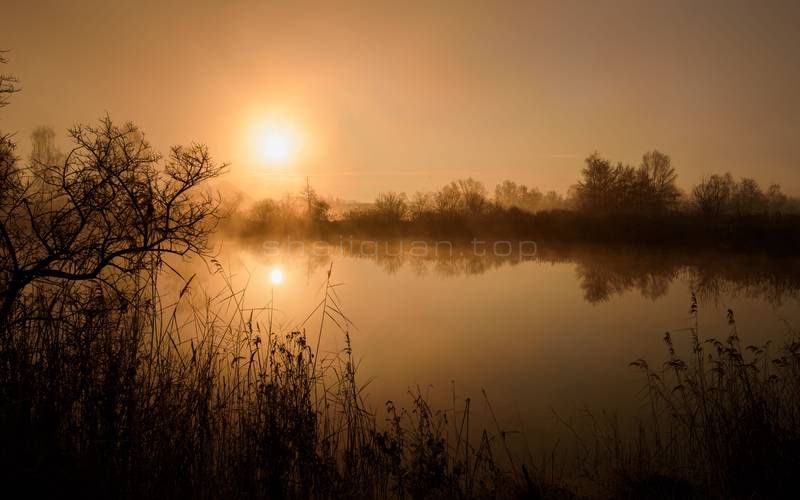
(601, 271)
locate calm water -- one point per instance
(550, 332)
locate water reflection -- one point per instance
(276, 276)
(601, 272)
(554, 330)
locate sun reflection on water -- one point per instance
(276, 276)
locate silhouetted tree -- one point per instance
(712, 196)
(553, 201)
(658, 175)
(472, 194)
(596, 190)
(317, 209)
(271, 216)
(777, 202)
(8, 83)
(43, 147)
(447, 200)
(650, 188)
(391, 207)
(747, 198)
(510, 194)
(264, 211)
(420, 204)
(629, 192)
(464, 196)
(721, 194)
(104, 211)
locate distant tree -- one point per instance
(420, 204)
(472, 194)
(506, 194)
(108, 209)
(461, 196)
(391, 207)
(264, 211)
(684, 203)
(44, 153)
(510, 194)
(553, 201)
(43, 147)
(747, 198)
(531, 199)
(447, 200)
(659, 179)
(572, 198)
(628, 192)
(273, 216)
(712, 196)
(777, 202)
(597, 188)
(648, 188)
(317, 209)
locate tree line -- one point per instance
(604, 188)
(651, 188)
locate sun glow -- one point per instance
(276, 276)
(276, 145)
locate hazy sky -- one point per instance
(406, 96)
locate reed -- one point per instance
(185, 395)
(724, 422)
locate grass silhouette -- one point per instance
(161, 397)
(156, 397)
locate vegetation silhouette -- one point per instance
(112, 388)
(609, 204)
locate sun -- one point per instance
(276, 145)
(276, 276)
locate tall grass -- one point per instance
(183, 395)
(724, 422)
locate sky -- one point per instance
(406, 96)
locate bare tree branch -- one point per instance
(112, 206)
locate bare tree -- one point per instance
(553, 201)
(659, 177)
(648, 188)
(776, 200)
(747, 198)
(510, 194)
(712, 196)
(106, 210)
(264, 212)
(420, 204)
(447, 199)
(595, 192)
(43, 147)
(317, 209)
(8, 83)
(391, 206)
(473, 195)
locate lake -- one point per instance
(544, 331)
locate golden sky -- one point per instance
(408, 95)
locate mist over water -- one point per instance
(272, 250)
(542, 334)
